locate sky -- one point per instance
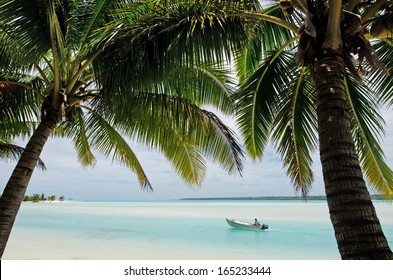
(110, 181)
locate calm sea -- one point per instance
(189, 230)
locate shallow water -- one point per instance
(177, 230)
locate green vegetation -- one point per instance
(41, 198)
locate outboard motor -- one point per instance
(264, 226)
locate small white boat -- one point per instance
(244, 225)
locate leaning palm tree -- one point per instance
(93, 78)
(316, 72)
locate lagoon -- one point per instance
(178, 229)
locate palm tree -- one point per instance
(87, 74)
(317, 71)
(36, 197)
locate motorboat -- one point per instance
(244, 225)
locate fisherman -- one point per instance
(256, 223)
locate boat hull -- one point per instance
(244, 225)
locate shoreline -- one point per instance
(247, 198)
(315, 197)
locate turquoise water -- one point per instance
(177, 230)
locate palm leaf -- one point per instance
(205, 85)
(85, 29)
(248, 60)
(7, 50)
(186, 159)
(294, 132)
(84, 18)
(77, 131)
(168, 123)
(167, 36)
(383, 80)
(264, 37)
(13, 152)
(104, 138)
(19, 103)
(12, 129)
(367, 125)
(257, 101)
(24, 23)
(151, 123)
(218, 143)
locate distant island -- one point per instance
(316, 197)
(41, 198)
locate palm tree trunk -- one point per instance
(15, 189)
(357, 229)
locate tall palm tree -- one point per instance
(92, 77)
(317, 71)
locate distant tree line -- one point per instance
(41, 197)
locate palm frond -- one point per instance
(205, 85)
(19, 103)
(210, 138)
(104, 138)
(7, 50)
(248, 60)
(11, 128)
(84, 21)
(13, 152)
(84, 18)
(264, 37)
(167, 123)
(77, 131)
(24, 23)
(294, 132)
(383, 80)
(186, 159)
(218, 143)
(257, 101)
(151, 123)
(167, 36)
(368, 127)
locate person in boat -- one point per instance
(256, 223)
